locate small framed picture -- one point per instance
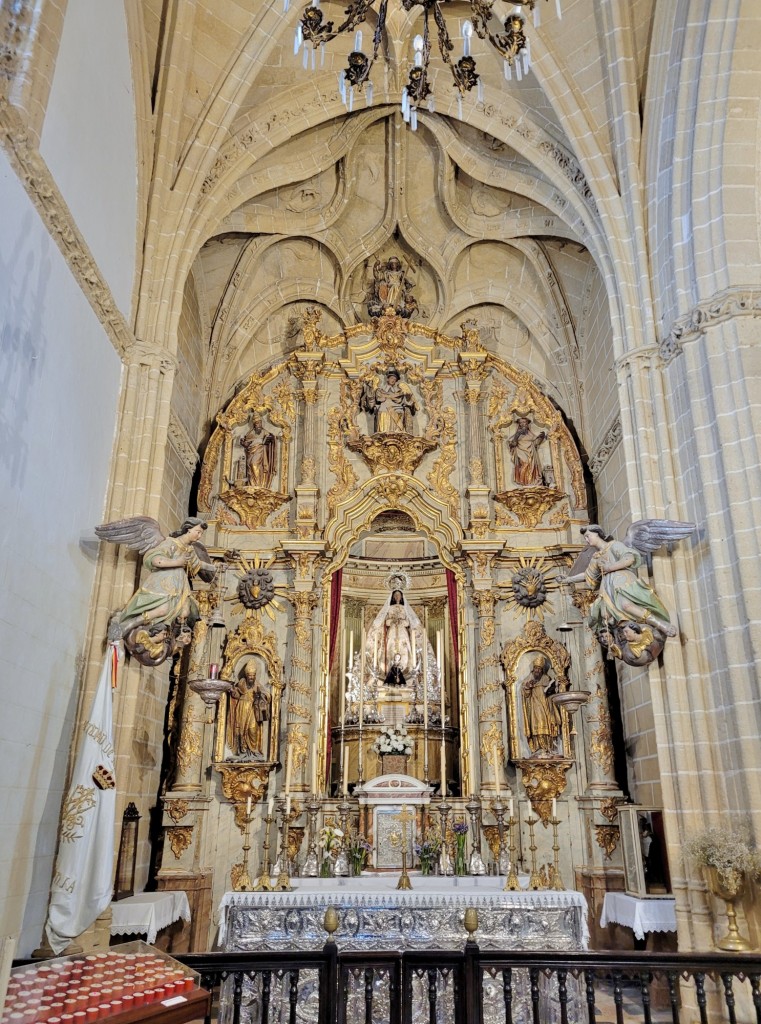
(643, 844)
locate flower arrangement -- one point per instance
(393, 740)
(428, 852)
(460, 830)
(331, 838)
(358, 849)
(728, 850)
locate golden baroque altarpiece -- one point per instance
(389, 510)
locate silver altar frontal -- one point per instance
(374, 915)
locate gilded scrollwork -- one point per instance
(607, 838)
(544, 781)
(298, 746)
(180, 837)
(190, 747)
(444, 465)
(601, 738)
(492, 745)
(609, 808)
(177, 809)
(345, 476)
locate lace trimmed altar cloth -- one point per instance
(374, 915)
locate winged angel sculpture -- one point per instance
(627, 615)
(159, 616)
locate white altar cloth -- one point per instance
(148, 912)
(651, 915)
(561, 917)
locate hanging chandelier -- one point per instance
(505, 33)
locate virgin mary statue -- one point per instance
(395, 640)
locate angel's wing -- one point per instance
(141, 533)
(647, 535)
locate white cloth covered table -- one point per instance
(148, 912)
(652, 915)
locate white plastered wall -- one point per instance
(60, 379)
(88, 138)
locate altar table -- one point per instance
(375, 915)
(146, 913)
(651, 915)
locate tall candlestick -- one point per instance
(443, 714)
(342, 692)
(346, 772)
(360, 754)
(315, 781)
(288, 764)
(425, 694)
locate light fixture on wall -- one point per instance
(505, 32)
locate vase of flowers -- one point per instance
(393, 745)
(728, 861)
(359, 851)
(427, 853)
(330, 841)
(460, 830)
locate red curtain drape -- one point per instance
(452, 595)
(336, 583)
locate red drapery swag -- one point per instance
(336, 583)
(452, 595)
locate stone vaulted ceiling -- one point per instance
(267, 194)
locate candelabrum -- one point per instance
(283, 883)
(498, 810)
(312, 863)
(342, 860)
(405, 818)
(241, 880)
(512, 884)
(445, 862)
(476, 865)
(556, 881)
(263, 883)
(535, 881)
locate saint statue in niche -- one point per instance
(541, 717)
(248, 711)
(259, 447)
(524, 449)
(391, 402)
(392, 286)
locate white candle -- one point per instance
(248, 807)
(315, 784)
(510, 806)
(288, 805)
(288, 763)
(375, 650)
(346, 771)
(554, 808)
(413, 649)
(351, 653)
(270, 805)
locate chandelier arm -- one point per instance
(445, 43)
(355, 16)
(378, 35)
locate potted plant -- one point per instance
(728, 860)
(393, 746)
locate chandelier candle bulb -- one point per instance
(557, 8)
(467, 32)
(358, 41)
(369, 94)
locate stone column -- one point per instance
(308, 367)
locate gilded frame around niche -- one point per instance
(533, 640)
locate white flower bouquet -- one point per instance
(393, 740)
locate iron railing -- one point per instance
(476, 986)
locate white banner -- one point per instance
(83, 877)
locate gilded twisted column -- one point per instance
(299, 694)
(488, 692)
